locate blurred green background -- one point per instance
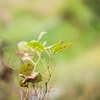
(77, 74)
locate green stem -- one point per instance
(32, 62)
(34, 68)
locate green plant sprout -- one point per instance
(35, 55)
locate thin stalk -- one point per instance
(35, 63)
(26, 94)
(34, 67)
(45, 91)
(21, 95)
(39, 57)
(47, 94)
(32, 62)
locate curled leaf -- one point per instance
(26, 75)
(26, 70)
(29, 78)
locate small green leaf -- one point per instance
(67, 44)
(36, 45)
(26, 70)
(57, 44)
(59, 48)
(52, 46)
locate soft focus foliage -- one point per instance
(77, 76)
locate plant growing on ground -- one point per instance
(37, 67)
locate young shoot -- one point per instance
(32, 57)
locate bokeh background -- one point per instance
(77, 74)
